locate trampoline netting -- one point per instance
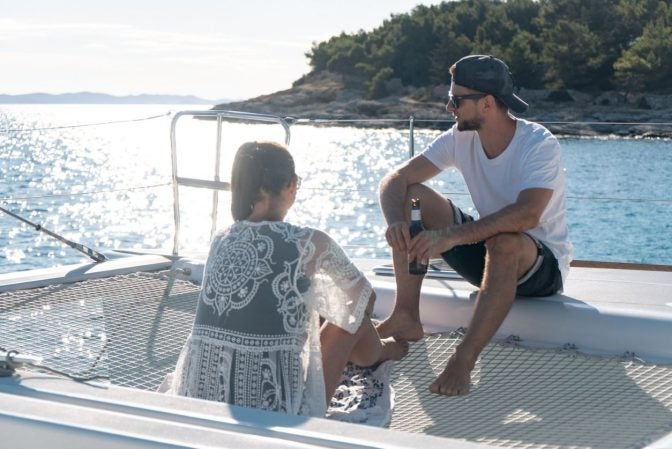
(131, 328)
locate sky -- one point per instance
(214, 49)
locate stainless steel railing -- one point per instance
(215, 184)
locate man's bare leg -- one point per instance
(404, 322)
(509, 257)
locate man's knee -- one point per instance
(416, 191)
(507, 245)
(437, 211)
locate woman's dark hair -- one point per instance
(257, 167)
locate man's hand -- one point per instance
(398, 236)
(430, 243)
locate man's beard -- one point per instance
(469, 125)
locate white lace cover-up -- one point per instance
(256, 336)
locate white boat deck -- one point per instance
(602, 311)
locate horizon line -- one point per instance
(103, 95)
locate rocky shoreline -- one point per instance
(324, 99)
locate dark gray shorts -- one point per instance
(543, 279)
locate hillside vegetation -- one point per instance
(588, 45)
(590, 67)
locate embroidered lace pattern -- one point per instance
(255, 340)
(240, 266)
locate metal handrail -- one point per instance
(215, 183)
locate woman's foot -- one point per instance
(393, 349)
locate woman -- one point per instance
(257, 339)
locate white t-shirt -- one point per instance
(532, 160)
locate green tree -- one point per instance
(558, 43)
(593, 24)
(573, 55)
(450, 48)
(468, 15)
(647, 64)
(524, 14)
(456, 26)
(523, 56)
(413, 39)
(495, 30)
(378, 85)
(338, 53)
(634, 15)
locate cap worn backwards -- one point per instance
(489, 75)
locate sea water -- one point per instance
(100, 175)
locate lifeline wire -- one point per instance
(92, 192)
(311, 121)
(82, 125)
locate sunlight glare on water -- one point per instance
(109, 186)
(79, 182)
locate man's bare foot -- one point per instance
(401, 326)
(393, 349)
(455, 378)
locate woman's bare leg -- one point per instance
(337, 344)
(370, 348)
(363, 348)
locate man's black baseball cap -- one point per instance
(489, 75)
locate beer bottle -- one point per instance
(416, 266)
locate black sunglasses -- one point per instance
(455, 100)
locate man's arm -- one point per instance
(520, 216)
(393, 191)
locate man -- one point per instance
(519, 245)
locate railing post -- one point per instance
(411, 140)
(215, 192)
(176, 190)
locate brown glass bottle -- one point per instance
(415, 266)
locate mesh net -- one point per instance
(132, 327)
(129, 328)
(529, 398)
